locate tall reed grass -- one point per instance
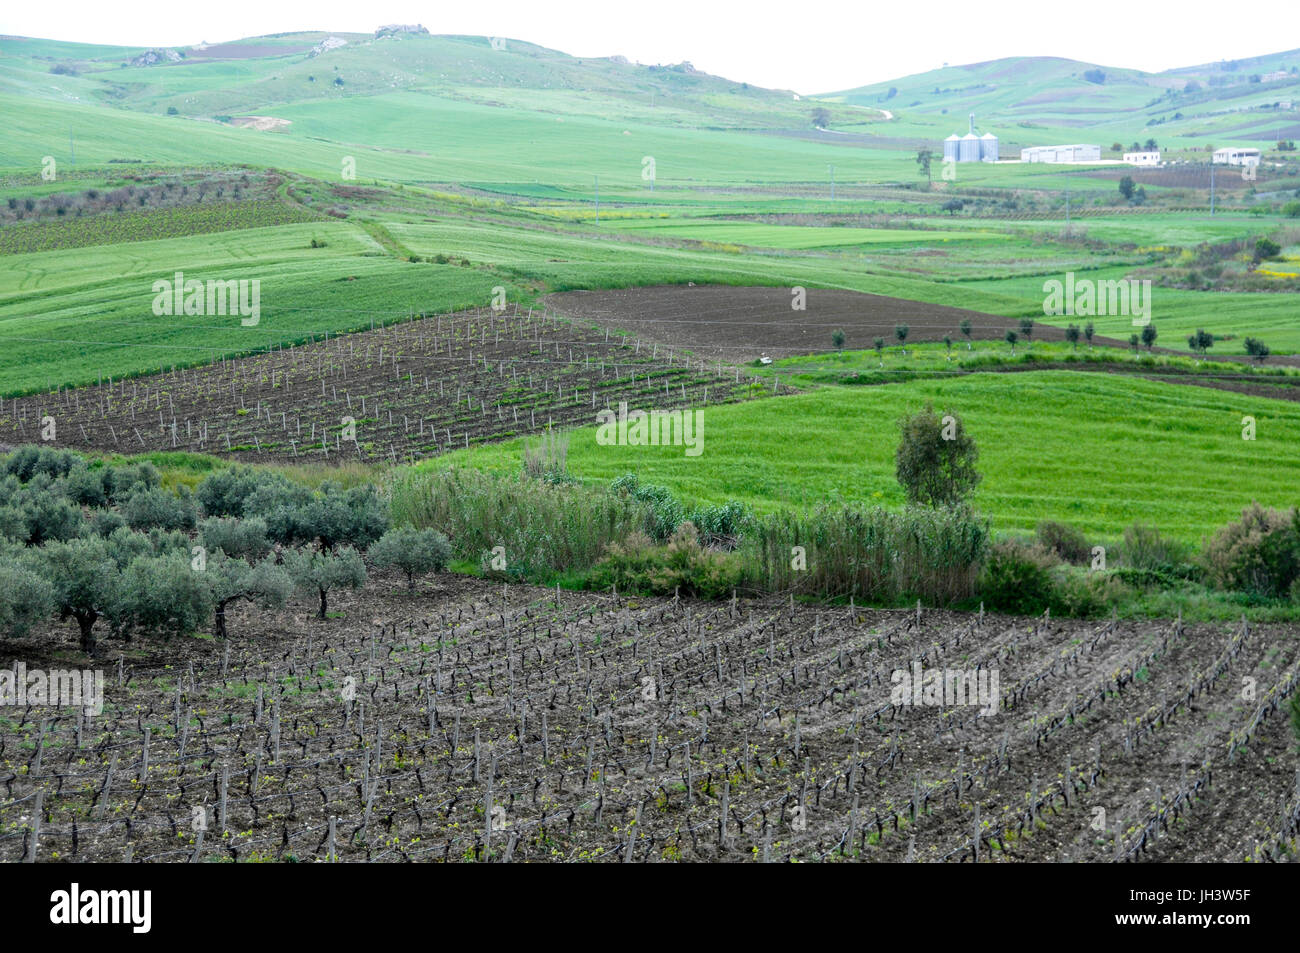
(545, 528)
(876, 555)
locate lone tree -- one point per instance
(879, 345)
(1149, 335)
(936, 458)
(1200, 341)
(1088, 332)
(1127, 186)
(947, 342)
(1027, 329)
(1257, 349)
(1011, 338)
(900, 332)
(837, 338)
(320, 572)
(923, 159)
(965, 328)
(1072, 335)
(413, 551)
(1133, 342)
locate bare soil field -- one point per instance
(721, 322)
(474, 721)
(409, 390)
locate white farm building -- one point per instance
(1071, 153)
(1235, 156)
(1142, 158)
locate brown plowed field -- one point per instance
(721, 322)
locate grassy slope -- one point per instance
(1096, 451)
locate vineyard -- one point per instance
(503, 723)
(395, 394)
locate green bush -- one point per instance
(161, 595)
(665, 512)
(225, 492)
(29, 461)
(1065, 541)
(413, 551)
(123, 480)
(1018, 577)
(1260, 553)
(330, 517)
(680, 567)
(1085, 594)
(85, 486)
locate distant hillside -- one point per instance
(1029, 99)
(258, 74)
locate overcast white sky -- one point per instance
(809, 46)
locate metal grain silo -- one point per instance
(989, 147)
(950, 148)
(969, 148)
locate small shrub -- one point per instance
(680, 567)
(1260, 553)
(1065, 541)
(1145, 548)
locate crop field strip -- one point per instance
(767, 733)
(414, 389)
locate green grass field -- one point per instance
(1090, 449)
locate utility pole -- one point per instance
(832, 183)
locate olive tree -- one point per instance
(86, 583)
(230, 579)
(26, 596)
(240, 539)
(413, 551)
(323, 571)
